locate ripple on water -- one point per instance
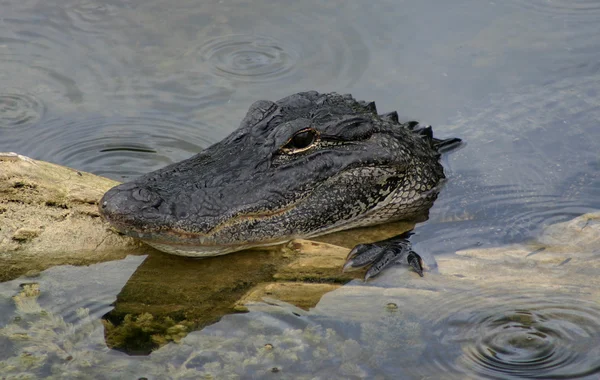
(282, 46)
(512, 334)
(119, 147)
(19, 109)
(74, 55)
(249, 58)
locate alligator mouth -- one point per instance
(172, 238)
(193, 244)
(234, 233)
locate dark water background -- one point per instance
(120, 88)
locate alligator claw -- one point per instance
(363, 255)
(383, 254)
(388, 258)
(416, 262)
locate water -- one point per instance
(515, 333)
(248, 57)
(120, 88)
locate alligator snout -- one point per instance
(128, 202)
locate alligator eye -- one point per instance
(301, 141)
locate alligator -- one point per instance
(306, 165)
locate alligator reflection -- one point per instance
(169, 296)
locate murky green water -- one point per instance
(120, 88)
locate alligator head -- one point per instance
(303, 166)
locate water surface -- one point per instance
(123, 87)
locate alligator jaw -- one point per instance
(201, 251)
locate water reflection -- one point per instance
(515, 333)
(169, 296)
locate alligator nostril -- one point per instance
(141, 194)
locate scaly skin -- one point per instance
(307, 165)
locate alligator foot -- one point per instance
(382, 254)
